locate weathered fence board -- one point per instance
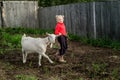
(90, 23)
(0, 14)
(92, 20)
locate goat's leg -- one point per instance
(51, 45)
(40, 57)
(24, 56)
(47, 57)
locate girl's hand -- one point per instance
(60, 34)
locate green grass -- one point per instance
(11, 38)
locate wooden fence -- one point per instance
(19, 14)
(92, 20)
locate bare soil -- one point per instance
(84, 62)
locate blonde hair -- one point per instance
(58, 17)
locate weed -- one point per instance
(55, 46)
(72, 55)
(1, 52)
(25, 77)
(81, 79)
(73, 37)
(46, 70)
(97, 70)
(30, 64)
(54, 78)
(115, 74)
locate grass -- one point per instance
(100, 42)
(11, 38)
(12, 41)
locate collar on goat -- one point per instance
(49, 42)
(49, 39)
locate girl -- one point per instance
(60, 29)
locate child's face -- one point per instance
(60, 19)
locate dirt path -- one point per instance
(83, 62)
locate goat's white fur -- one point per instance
(36, 45)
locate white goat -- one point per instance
(36, 45)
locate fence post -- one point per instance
(94, 20)
(0, 14)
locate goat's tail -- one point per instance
(24, 35)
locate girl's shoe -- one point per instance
(62, 61)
